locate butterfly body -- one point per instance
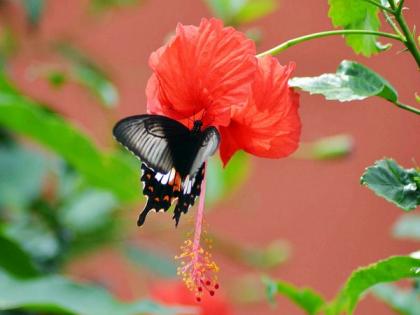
(173, 158)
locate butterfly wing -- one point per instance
(152, 138)
(191, 185)
(191, 189)
(208, 144)
(160, 190)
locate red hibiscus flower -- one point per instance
(201, 73)
(268, 125)
(175, 293)
(210, 73)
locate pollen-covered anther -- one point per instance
(197, 270)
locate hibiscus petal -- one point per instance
(269, 125)
(205, 69)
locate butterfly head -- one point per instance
(197, 126)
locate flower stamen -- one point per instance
(197, 267)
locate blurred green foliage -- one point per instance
(58, 295)
(34, 10)
(103, 5)
(88, 74)
(403, 301)
(326, 148)
(236, 12)
(407, 227)
(387, 270)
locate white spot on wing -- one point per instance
(165, 178)
(172, 175)
(158, 176)
(185, 184)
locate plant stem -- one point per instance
(407, 107)
(382, 7)
(388, 18)
(292, 42)
(408, 40)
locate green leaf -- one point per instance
(14, 259)
(89, 75)
(22, 173)
(235, 12)
(326, 148)
(109, 171)
(388, 270)
(34, 10)
(156, 262)
(55, 294)
(356, 14)
(307, 299)
(394, 183)
(352, 81)
(405, 302)
(407, 227)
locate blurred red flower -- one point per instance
(269, 125)
(201, 73)
(176, 293)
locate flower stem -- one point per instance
(199, 218)
(292, 42)
(407, 107)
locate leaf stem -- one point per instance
(292, 42)
(382, 7)
(407, 107)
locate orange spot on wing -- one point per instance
(177, 182)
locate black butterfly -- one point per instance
(173, 159)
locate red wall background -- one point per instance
(332, 223)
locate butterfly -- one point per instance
(173, 159)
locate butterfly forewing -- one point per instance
(208, 145)
(152, 138)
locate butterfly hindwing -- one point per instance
(191, 189)
(160, 194)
